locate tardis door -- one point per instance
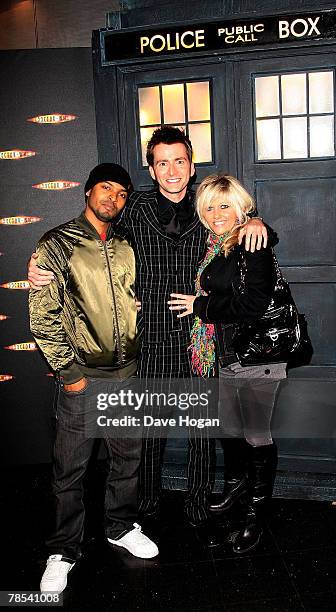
(134, 85)
(296, 195)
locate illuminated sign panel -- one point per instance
(222, 35)
(19, 220)
(54, 118)
(22, 284)
(4, 377)
(22, 346)
(16, 154)
(56, 185)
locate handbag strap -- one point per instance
(280, 280)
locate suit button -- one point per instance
(267, 371)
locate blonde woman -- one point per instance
(221, 308)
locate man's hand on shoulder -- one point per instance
(37, 277)
(255, 234)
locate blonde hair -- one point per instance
(230, 190)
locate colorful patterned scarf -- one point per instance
(202, 344)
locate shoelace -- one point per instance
(52, 570)
(137, 532)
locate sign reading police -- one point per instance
(219, 36)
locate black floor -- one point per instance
(293, 569)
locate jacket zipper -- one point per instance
(114, 306)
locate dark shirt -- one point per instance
(175, 217)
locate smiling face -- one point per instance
(220, 216)
(104, 201)
(172, 170)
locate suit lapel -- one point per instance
(190, 229)
(149, 211)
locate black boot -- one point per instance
(261, 475)
(208, 534)
(235, 474)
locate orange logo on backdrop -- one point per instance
(19, 220)
(54, 118)
(3, 317)
(16, 154)
(22, 284)
(56, 185)
(4, 377)
(22, 346)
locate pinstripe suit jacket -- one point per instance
(163, 265)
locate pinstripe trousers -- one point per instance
(170, 359)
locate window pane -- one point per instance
(198, 101)
(145, 136)
(149, 105)
(200, 136)
(322, 136)
(267, 96)
(293, 89)
(173, 103)
(295, 137)
(181, 127)
(268, 139)
(321, 97)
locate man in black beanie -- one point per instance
(84, 322)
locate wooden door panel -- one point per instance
(303, 212)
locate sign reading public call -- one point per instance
(219, 36)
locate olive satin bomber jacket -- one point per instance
(87, 315)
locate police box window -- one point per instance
(295, 115)
(185, 105)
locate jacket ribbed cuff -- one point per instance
(72, 374)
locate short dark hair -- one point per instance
(167, 134)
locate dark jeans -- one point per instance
(75, 427)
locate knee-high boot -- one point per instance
(235, 474)
(262, 465)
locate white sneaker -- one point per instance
(54, 579)
(137, 543)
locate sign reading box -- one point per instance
(218, 36)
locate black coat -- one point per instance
(221, 280)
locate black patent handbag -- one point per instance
(280, 335)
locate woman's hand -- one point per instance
(182, 302)
(255, 234)
(138, 304)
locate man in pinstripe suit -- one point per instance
(169, 241)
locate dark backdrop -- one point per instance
(36, 82)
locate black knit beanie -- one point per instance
(108, 172)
